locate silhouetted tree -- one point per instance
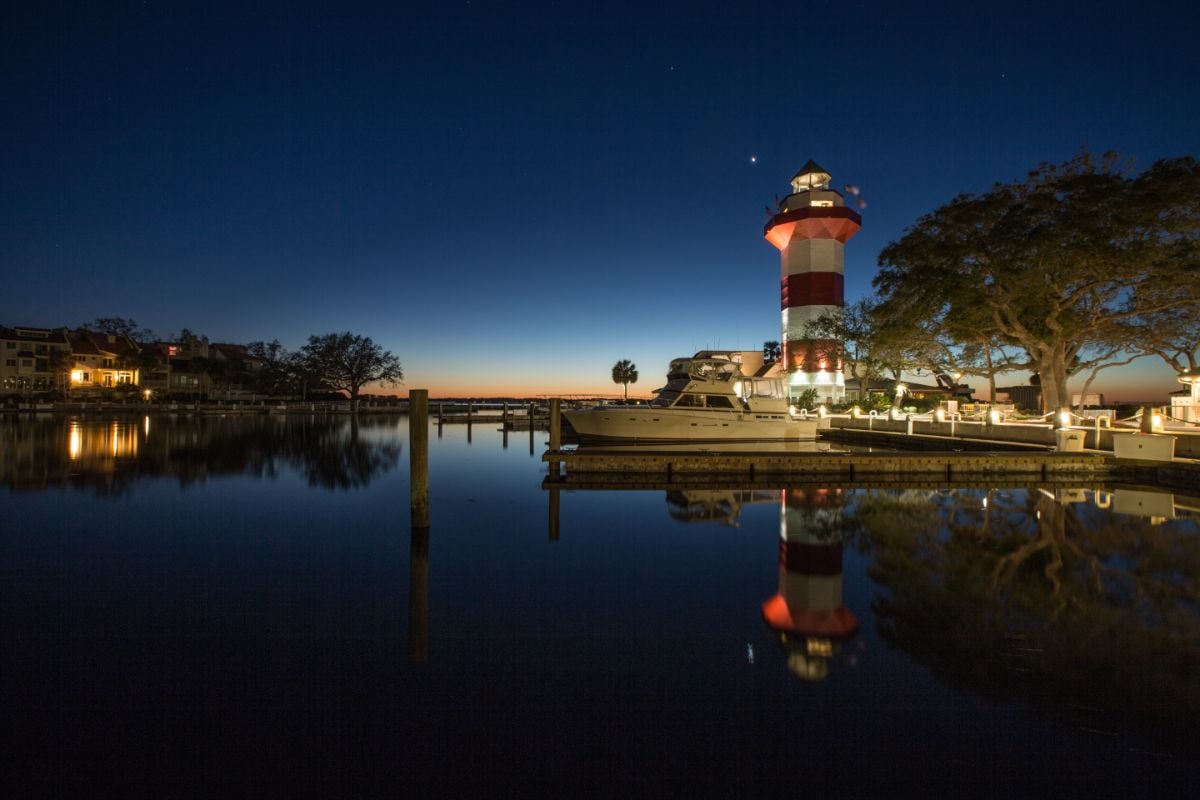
(625, 372)
(1060, 264)
(347, 362)
(119, 326)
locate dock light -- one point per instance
(1156, 422)
(856, 412)
(994, 417)
(822, 411)
(940, 414)
(146, 395)
(1064, 418)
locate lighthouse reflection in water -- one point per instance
(807, 616)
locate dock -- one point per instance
(916, 450)
(655, 465)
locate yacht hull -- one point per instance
(648, 424)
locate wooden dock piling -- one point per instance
(418, 456)
(531, 411)
(555, 432)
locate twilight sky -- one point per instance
(512, 197)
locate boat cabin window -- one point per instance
(717, 401)
(768, 387)
(690, 401)
(665, 398)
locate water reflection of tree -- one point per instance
(1088, 616)
(332, 452)
(333, 461)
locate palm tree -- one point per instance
(625, 372)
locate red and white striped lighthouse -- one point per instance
(810, 227)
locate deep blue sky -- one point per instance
(513, 197)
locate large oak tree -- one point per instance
(1060, 264)
(347, 362)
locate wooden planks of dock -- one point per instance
(847, 465)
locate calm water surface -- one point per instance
(233, 606)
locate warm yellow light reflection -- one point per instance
(819, 647)
(102, 442)
(75, 443)
(146, 423)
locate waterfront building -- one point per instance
(102, 360)
(29, 359)
(810, 228)
(1185, 404)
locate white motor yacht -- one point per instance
(704, 400)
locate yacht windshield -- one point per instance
(665, 399)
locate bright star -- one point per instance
(753, 159)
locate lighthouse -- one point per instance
(810, 227)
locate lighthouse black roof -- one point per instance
(811, 168)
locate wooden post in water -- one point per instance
(531, 428)
(555, 434)
(555, 424)
(504, 414)
(418, 456)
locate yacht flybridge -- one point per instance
(705, 399)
